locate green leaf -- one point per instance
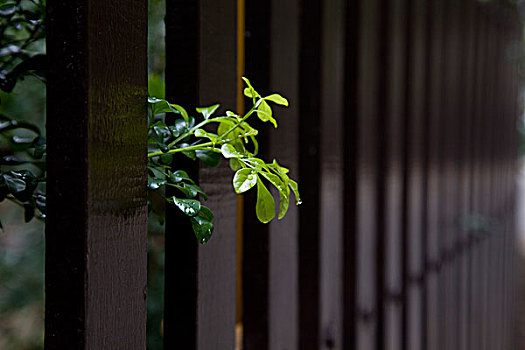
(29, 212)
(189, 190)
(235, 164)
(160, 105)
(208, 111)
(182, 111)
(254, 163)
(14, 184)
(179, 176)
(190, 207)
(154, 183)
(249, 91)
(209, 158)
(202, 133)
(244, 179)
(206, 213)
(203, 228)
(224, 126)
(40, 202)
(279, 168)
(156, 173)
(166, 158)
(284, 203)
(7, 9)
(228, 151)
(284, 192)
(178, 128)
(295, 189)
(276, 98)
(265, 206)
(264, 112)
(190, 154)
(275, 180)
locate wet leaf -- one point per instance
(190, 207)
(203, 228)
(244, 179)
(276, 98)
(228, 151)
(265, 206)
(209, 158)
(208, 111)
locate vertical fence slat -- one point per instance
(217, 259)
(433, 250)
(467, 165)
(256, 251)
(284, 143)
(367, 121)
(180, 285)
(270, 251)
(201, 279)
(451, 121)
(350, 165)
(392, 124)
(415, 121)
(331, 185)
(97, 218)
(309, 172)
(477, 183)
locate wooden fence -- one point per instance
(402, 133)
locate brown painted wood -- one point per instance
(284, 78)
(270, 251)
(97, 216)
(466, 163)
(367, 122)
(433, 262)
(415, 121)
(180, 285)
(477, 198)
(309, 172)
(451, 123)
(274, 272)
(256, 251)
(350, 164)
(331, 177)
(200, 280)
(393, 154)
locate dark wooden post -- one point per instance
(361, 196)
(331, 212)
(256, 251)
(469, 80)
(434, 190)
(390, 278)
(415, 122)
(200, 279)
(97, 130)
(309, 133)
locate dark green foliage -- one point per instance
(21, 28)
(22, 147)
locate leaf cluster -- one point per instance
(21, 40)
(210, 139)
(23, 167)
(22, 146)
